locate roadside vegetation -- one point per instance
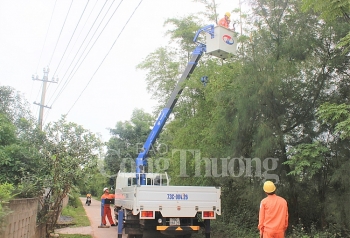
(75, 236)
(284, 96)
(76, 211)
(41, 163)
(6, 194)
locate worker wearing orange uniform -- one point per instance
(107, 207)
(273, 214)
(225, 21)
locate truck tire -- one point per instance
(135, 236)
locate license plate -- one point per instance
(174, 221)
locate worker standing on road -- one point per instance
(225, 21)
(273, 214)
(107, 207)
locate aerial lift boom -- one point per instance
(141, 161)
(135, 202)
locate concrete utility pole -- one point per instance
(43, 93)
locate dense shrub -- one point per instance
(6, 194)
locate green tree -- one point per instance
(6, 194)
(263, 104)
(210, 12)
(69, 150)
(21, 141)
(7, 131)
(126, 142)
(285, 76)
(92, 181)
(20, 160)
(163, 69)
(332, 11)
(321, 168)
(14, 105)
(183, 31)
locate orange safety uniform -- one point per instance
(107, 209)
(273, 217)
(223, 22)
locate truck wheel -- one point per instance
(135, 236)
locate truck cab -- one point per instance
(130, 179)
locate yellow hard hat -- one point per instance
(269, 187)
(228, 14)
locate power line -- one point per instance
(78, 37)
(42, 50)
(70, 39)
(60, 32)
(105, 56)
(67, 81)
(77, 54)
(72, 36)
(81, 62)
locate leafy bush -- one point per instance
(30, 187)
(74, 200)
(228, 230)
(6, 194)
(300, 231)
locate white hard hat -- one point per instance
(105, 189)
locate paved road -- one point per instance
(93, 213)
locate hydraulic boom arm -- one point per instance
(141, 160)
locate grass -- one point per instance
(75, 236)
(79, 216)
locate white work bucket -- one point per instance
(224, 43)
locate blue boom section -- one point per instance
(141, 160)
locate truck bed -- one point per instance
(171, 201)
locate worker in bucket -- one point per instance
(225, 21)
(273, 214)
(107, 207)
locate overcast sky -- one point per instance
(98, 81)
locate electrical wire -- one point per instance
(79, 49)
(87, 3)
(69, 41)
(78, 37)
(66, 83)
(60, 32)
(104, 57)
(42, 50)
(71, 75)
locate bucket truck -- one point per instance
(145, 201)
